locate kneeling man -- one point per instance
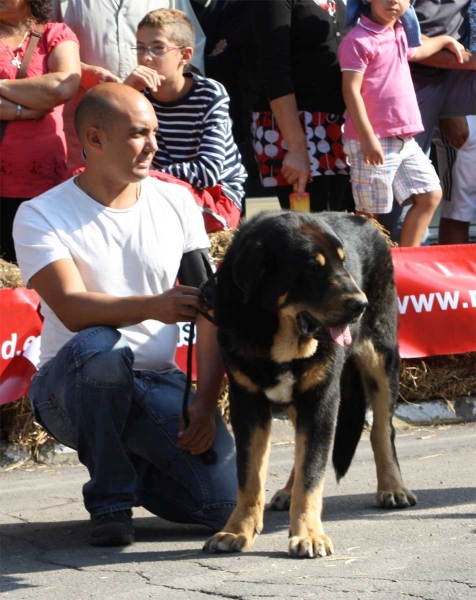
(103, 251)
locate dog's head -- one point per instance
(295, 265)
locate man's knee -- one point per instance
(104, 356)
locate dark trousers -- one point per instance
(8, 210)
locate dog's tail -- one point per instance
(351, 418)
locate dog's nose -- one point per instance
(357, 305)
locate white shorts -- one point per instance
(457, 171)
(407, 171)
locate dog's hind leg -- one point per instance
(251, 421)
(381, 378)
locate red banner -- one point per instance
(436, 301)
(20, 325)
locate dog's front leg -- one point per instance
(251, 423)
(313, 441)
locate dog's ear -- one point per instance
(248, 267)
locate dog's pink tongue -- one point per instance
(341, 335)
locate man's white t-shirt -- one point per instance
(122, 252)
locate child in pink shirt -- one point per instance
(383, 115)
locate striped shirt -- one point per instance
(195, 140)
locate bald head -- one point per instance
(104, 105)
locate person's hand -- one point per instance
(455, 130)
(455, 47)
(372, 151)
(200, 434)
(296, 169)
(180, 303)
(92, 75)
(144, 77)
(219, 48)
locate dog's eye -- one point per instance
(341, 254)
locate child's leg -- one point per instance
(417, 179)
(419, 217)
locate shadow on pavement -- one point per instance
(43, 546)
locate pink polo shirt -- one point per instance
(381, 54)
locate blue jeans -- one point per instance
(124, 425)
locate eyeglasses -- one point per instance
(154, 50)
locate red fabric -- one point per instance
(437, 299)
(219, 212)
(20, 323)
(33, 151)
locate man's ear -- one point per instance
(92, 136)
(249, 267)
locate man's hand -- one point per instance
(144, 77)
(180, 303)
(92, 75)
(455, 130)
(296, 169)
(372, 151)
(200, 434)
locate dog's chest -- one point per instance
(282, 392)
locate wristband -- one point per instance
(19, 109)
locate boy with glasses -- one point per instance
(195, 142)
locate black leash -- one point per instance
(209, 457)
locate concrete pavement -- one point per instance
(427, 552)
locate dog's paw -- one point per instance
(402, 498)
(223, 542)
(310, 546)
(280, 501)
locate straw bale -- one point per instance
(9, 275)
(448, 377)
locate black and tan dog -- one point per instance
(307, 319)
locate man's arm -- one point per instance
(60, 285)
(200, 434)
(445, 59)
(351, 89)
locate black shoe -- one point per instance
(112, 529)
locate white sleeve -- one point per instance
(36, 243)
(195, 235)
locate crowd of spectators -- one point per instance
(277, 62)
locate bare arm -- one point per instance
(61, 286)
(8, 111)
(351, 89)
(199, 435)
(56, 87)
(296, 167)
(445, 53)
(455, 130)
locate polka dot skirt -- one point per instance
(324, 145)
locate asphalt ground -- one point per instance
(426, 552)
